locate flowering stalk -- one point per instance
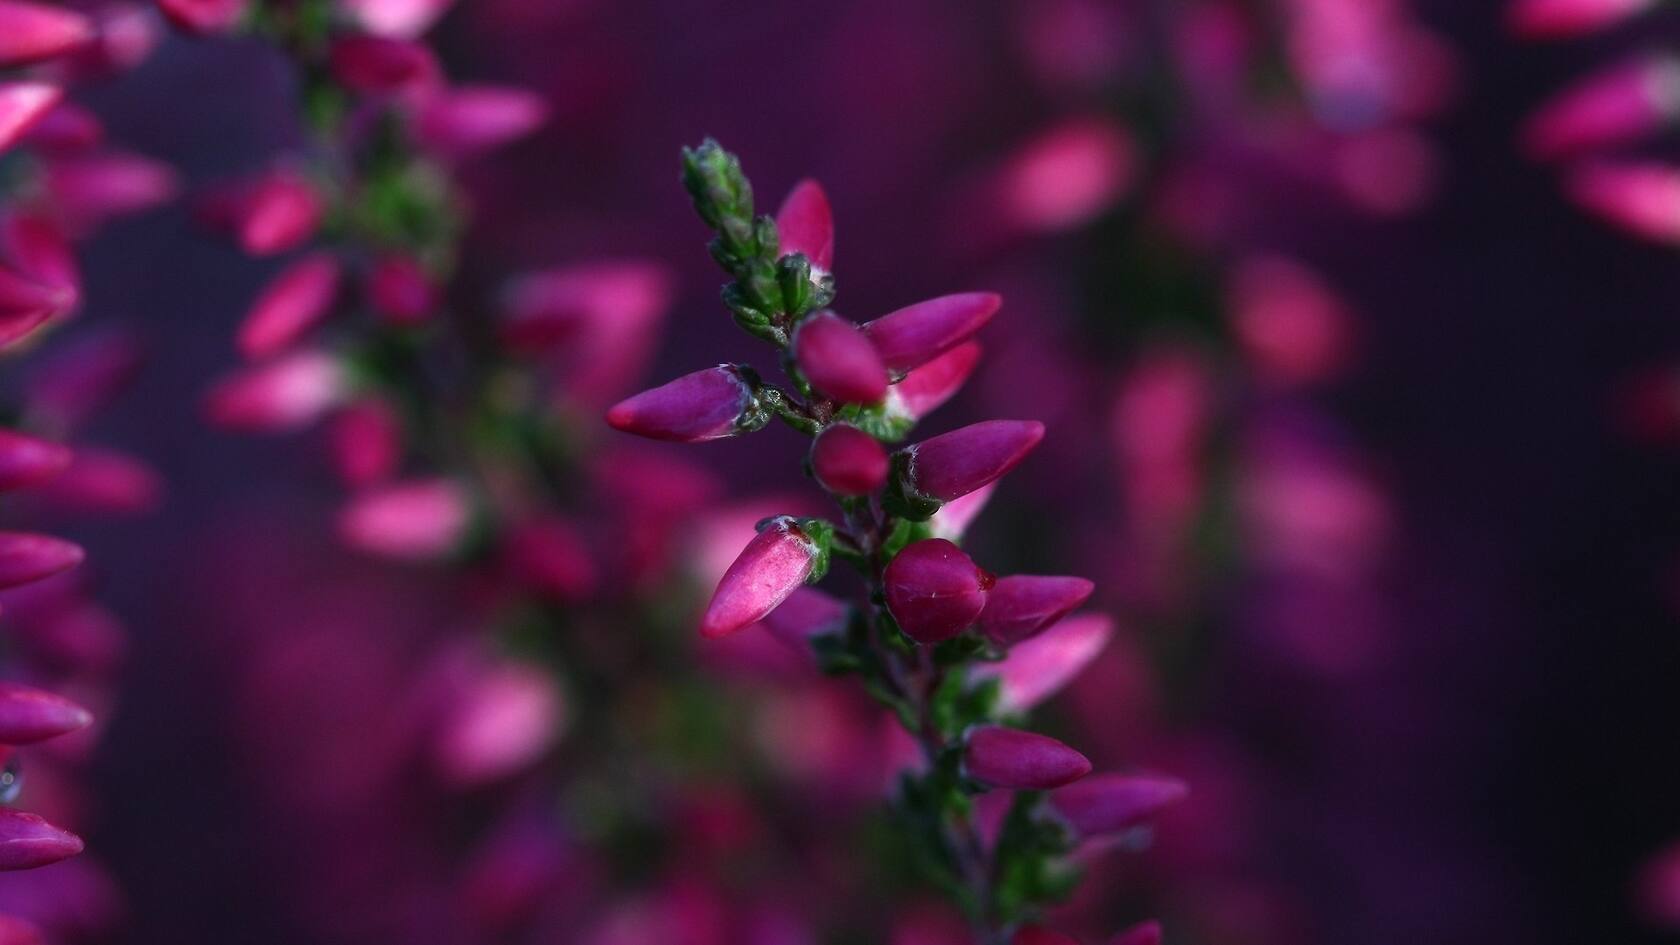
(929, 620)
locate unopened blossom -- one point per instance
(40, 250)
(27, 461)
(706, 405)
(290, 306)
(1113, 803)
(400, 290)
(839, 360)
(29, 715)
(1021, 605)
(377, 65)
(952, 465)
(805, 224)
(934, 591)
(914, 335)
(468, 120)
(1038, 668)
(1292, 326)
(203, 17)
(23, 105)
(68, 128)
(281, 395)
(848, 461)
(1019, 760)
(28, 842)
(33, 32)
(498, 721)
(89, 189)
(417, 520)
(928, 387)
(106, 482)
(1558, 19)
(774, 564)
(953, 518)
(1144, 933)
(366, 440)
(276, 212)
(1619, 106)
(27, 557)
(1068, 175)
(26, 304)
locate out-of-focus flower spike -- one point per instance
(935, 591)
(839, 360)
(805, 224)
(1144, 933)
(1038, 668)
(278, 396)
(29, 715)
(1641, 198)
(23, 105)
(26, 305)
(706, 405)
(377, 65)
(914, 335)
(773, 565)
(1113, 803)
(500, 721)
(423, 520)
(276, 212)
(928, 387)
(806, 613)
(89, 189)
(952, 465)
(1613, 108)
(35, 32)
(552, 557)
(402, 19)
(469, 120)
(28, 842)
(105, 482)
(290, 306)
(26, 558)
(203, 17)
(401, 291)
(848, 461)
(1561, 19)
(1018, 760)
(366, 440)
(1039, 935)
(1022, 605)
(26, 461)
(953, 518)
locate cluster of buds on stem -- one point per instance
(951, 650)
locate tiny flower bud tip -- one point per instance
(848, 461)
(805, 224)
(1144, 933)
(290, 306)
(26, 558)
(1112, 803)
(772, 566)
(29, 715)
(28, 842)
(839, 360)
(934, 591)
(706, 405)
(36, 32)
(1022, 605)
(26, 461)
(1023, 761)
(916, 334)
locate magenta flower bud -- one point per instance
(954, 464)
(423, 520)
(772, 566)
(26, 305)
(89, 189)
(202, 17)
(402, 19)
(28, 842)
(499, 722)
(1561, 19)
(848, 461)
(366, 441)
(26, 558)
(1068, 175)
(707, 405)
(1022, 605)
(29, 715)
(1613, 108)
(41, 251)
(839, 360)
(290, 306)
(805, 224)
(278, 396)
(1144, 933)
(66, 129)
(376, 65)
(36, 32)
(1112, 803)
(1022, 761)
(1039, 935)
(105, 482)
(23, 105)
(916, 334)
(928, 387)
(953, 518)
(1038, 668)
(275, 213)
(1642, 198)
(935, 591)
(806, 613)
(401, 291)
(26, 461)
(552, 557)
(468, 120)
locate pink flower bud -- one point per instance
(375, 65)
(203, 17)
(468, 120)
(1022, 605)
(914, 335)
(105, 482)
(89, 189)
(928, 387)
(36, 32)
(953, 518)
(848, 461)
(274, 213)
(806, 613)
(419, 520)
(806, 225)
(1612, 108)
(401, 290)
(1291, 325)
(1112, 803)
(706, 405)
(935, 591)
(290, 306)
(277, 396)
(553, 558)
(500, 721)
(26, 305)
(41, 251)
(366, 440)
(26, 461)
(1144, 933)
(22, 106)
(772, 566)
(403, 19)
(1038, 668)
(1069, 175)
(25, 557)
(954, 464)
(1022, 761)
(839, 360)
(1560, 19)
(1039, 935)
(30, 715)
(28, 842)
(1641, 198)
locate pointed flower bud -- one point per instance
(366, 441)
(1022, 605)
(706, 405)
(780, 558)
(29, 715)
(1038, 668)
(25, 557)
(500, 721)
(1112, 803)
(89, 189)
(914, 335)
(66, 129)
(421, 520)
(1642, 198)
(1039, 935)
(954, 464)
(1022, 761)
(35, 32)
(928, 387)
(275, 213)
(1144, 933)
(953, 518)
(105, 482)
(290, 306)
(41, 251)
(1613, 108)
(22, 106)
(28, 842)
(935, 591)
(26, 305)
(203, 17)
(277, 396)
(839, 360)
(848, 461)
(469, 120)
(26, 461)
(805, 224)
(375, 65)
(1561, 19)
